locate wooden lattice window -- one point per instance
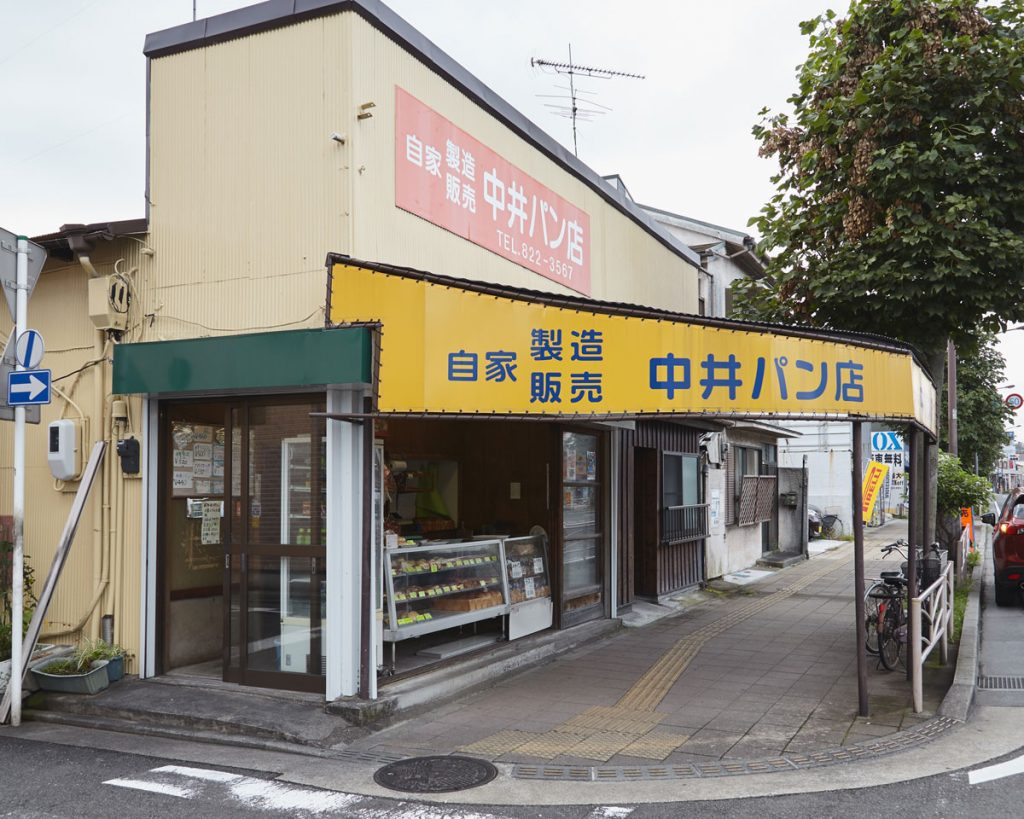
(757, 499)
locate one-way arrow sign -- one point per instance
(28, 387)
(6, 367)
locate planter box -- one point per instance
(115, 668)
(91, 682)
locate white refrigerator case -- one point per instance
(529, 585)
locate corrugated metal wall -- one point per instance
(59, 310)
(627, 264)
(249, 192)
(247, 185)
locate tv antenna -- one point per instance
(586, 109)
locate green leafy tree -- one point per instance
(958, 489)
(981, 414)
(900, 193)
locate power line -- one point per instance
(46, 32)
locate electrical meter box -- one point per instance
(108, 302)
(64, 453)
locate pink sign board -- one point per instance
(450, 179)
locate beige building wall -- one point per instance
(102, 573)
(249, 192)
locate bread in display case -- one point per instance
(439, 586)
(529, 585)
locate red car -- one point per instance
(1008, 550)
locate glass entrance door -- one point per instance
(275, 561)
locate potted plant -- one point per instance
(70, 677)
(94, 650)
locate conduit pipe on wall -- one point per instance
(100, 544)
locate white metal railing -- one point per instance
(934, 606)
(962, 550)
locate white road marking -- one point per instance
(282, 797)
(152, 787)
(610, 812)
(198, 773)
(1011, 768)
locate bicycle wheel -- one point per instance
(890, 640)
(831, 527)
(871, 617)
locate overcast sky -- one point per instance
(72, 77)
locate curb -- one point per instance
(958, 700)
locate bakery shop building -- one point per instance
(488, 430)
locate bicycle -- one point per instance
(891, 626)
(871, 602)
(886, 602)
(831, 527)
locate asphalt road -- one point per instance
(39, 779)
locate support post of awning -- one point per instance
(858, 564)
(914, 524)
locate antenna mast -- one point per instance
(574, 110)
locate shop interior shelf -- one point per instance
(447, 568)
(441, 620)
(399, 600)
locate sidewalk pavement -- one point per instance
(765, 671)
(752, 679)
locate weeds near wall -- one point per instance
(6, 598)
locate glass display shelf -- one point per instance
(435, 587)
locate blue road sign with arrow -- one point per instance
(25, 387)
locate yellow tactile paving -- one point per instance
(500, 743)
(615, 719)
(602, 746)
(655, 745)
(550, 745)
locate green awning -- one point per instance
(255, 361)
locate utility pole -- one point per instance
(951, 395)
(18, 568)
(20, 263)
(574, 111)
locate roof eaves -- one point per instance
(719, 231)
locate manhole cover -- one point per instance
(435, 774)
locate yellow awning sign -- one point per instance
(447, 348)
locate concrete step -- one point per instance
(165, 731)
(781, 559)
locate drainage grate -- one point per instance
(901, 741)
(1001, 683)
(435, 774)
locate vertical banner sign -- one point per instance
(447, 177)
(967, 522)
(873, 478)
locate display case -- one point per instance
(529, 585)
(303, 516)
(301, 629)
(441, 586)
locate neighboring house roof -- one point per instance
(760, 426)
(280, 13)
(78, 238)
(739, 246)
